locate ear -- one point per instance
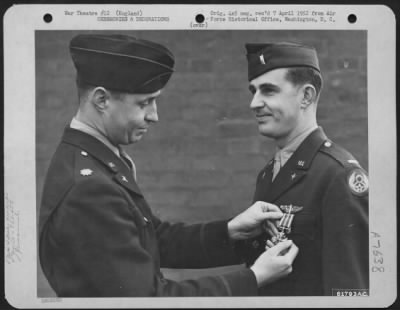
(99, 97)
(309, 95)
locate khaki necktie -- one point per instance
(128, 161)
(277, 165)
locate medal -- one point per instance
(285, 223)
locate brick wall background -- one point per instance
(200, 161)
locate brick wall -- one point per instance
(200, 161)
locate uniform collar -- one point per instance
(307, 150)
(78, 125)
(296, 167)
(283, 154)
(104, 154)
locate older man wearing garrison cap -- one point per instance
(98, 235)
(320, 187)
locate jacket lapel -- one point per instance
(121, 173)
(127, 181)
(264, 182)
(297, 166)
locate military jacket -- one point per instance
(99, 237)
(331, 229)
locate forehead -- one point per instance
(275, 77)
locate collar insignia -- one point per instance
(86, 172)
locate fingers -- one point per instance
(272, 229)
(272, 215)
(281, 247)
(292, 253)
(267, 207)
(267, 227)
(269, 244)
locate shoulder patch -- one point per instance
(358, 182)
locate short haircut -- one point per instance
(84, 88)
(305, 75)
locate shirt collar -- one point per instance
(286, 152)
(78, 125)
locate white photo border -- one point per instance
(19, 143)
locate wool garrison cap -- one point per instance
(122, 63)
(262, 58)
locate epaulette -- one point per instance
(84, 164)
(341, 155)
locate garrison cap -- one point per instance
(122, 63)
(262, 58)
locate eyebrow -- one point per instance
(146, 97)
(265, 87)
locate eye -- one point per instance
(268, 91)
(252, 89)
(143, 103)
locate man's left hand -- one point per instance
(249, 223)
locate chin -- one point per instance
(267, 131)
(135, 139)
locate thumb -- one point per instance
(292, 253)
(280, 247)
(271, 215)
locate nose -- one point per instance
(256, 102)
(151, 113)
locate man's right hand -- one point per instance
(273, 264)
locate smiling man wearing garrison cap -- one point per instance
(98, 236)
(320, 187)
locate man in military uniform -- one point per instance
(320, 187)
(98, 236)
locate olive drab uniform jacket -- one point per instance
(99, 237)
(329, 191)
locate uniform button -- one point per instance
(328, 144)
(83, 153)
(86, 172)
(255, 244)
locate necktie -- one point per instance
(277, 165)
(128, 161)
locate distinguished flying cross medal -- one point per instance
(284, 226)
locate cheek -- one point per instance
(289, 109)
(134, 120)
(119, 119)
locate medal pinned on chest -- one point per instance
(285, 223)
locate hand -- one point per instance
(271, 227)
(275, 263)
(248, 224)
(269, 244)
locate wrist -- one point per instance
(256, 275)
(231, 231)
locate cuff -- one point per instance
(217, 244)
(241, 283)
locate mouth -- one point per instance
(141, 131)
(263, 117)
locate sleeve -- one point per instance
(345, 256)
(196, 246)
(250, 249)
(103, 241)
